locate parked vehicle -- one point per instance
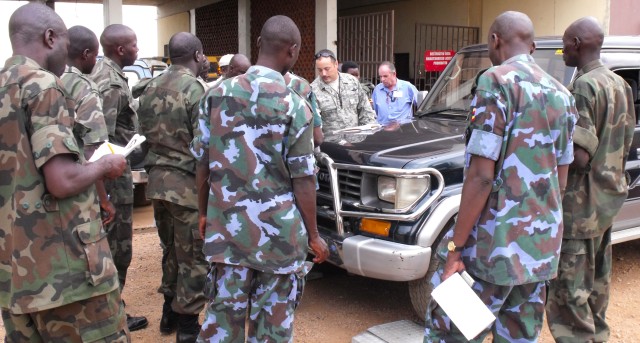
(387, 196)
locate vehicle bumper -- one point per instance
(379, 259)
(139, 176)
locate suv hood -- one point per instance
(395, 145)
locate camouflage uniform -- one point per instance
(515, 244)
(168, 112)
(88, 104)
(55, 258)
(122, 123)
(578, 298)
(260, 139)
(353, 110)
(301, 87)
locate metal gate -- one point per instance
(366, 39)
(438, 37)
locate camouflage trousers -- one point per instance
(518, 309)
(97, 319)
(120, 236)
(269, 301)
(184, 268)
(579, 296)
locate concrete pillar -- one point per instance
(244, 27)
(192, 21)
(112, 12)
(326, 25)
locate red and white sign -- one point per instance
(437, 60)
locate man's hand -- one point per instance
(202, 225)
(319, 248)
(110, 211)
(453, 265)
(580, 157)
(113, 164)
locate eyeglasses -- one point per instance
(390, 97)
(325, 54)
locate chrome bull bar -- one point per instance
(410, 213)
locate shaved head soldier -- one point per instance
(168, 114)
(119, 44)
(59, 282)
(520, 138)
(88, 105)
(238, 65)
(261, 139)
(579, 296)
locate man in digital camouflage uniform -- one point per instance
(597, 188)
(509, 227)
(302, 87)
(119, 44)
(261, 214)
(81, 59)
(341, 100)
(168, 114)
(58, 282)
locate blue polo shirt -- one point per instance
(396, 104)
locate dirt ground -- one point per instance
(337, 306)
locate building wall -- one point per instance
(168, 26)
(217, 27)
(625, 17)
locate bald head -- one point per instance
(120, 44)
(81, 39)
(279, 43)
(510, 34)
(37, 32)
(183, 46)
(581, 42)
(238, 65)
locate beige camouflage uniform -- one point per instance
(122, 121)
(353, 110)
(578, 298)
(168, 114)
(57, 278)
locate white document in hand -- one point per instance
(107, 148)
(463, 306)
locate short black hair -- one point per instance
(349, 65)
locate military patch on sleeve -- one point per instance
(484, 144)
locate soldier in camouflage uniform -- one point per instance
(341, 100)
(597, 188)
(301, 87)
(58, 282)
(119, 44)
(81, 59)
(261, 214)
(516, 163)
(168, 113)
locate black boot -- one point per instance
(188, 328)
(169, 320)
(135, 323)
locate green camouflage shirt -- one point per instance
(523, 119)
(54, 251)
(121, 120)
(88, 104)
(261, 138)
(168, 113)
(303, 88)
(605, 130)
(353, 110)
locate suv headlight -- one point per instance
(402, 192)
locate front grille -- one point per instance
(349, 182)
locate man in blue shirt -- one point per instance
(393, 99)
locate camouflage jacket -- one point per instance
(261, 138)
(168, 113)
(605, 129)
(121, 120)
(345, 108)
(88, 104)
(54, 251)
(523, 119)
(301, 87)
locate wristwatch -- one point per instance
(453, 248)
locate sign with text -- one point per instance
(437, 60)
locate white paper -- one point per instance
(463, 306)
(107, 148)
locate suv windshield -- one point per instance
(451, 95)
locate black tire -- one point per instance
(420, 289)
